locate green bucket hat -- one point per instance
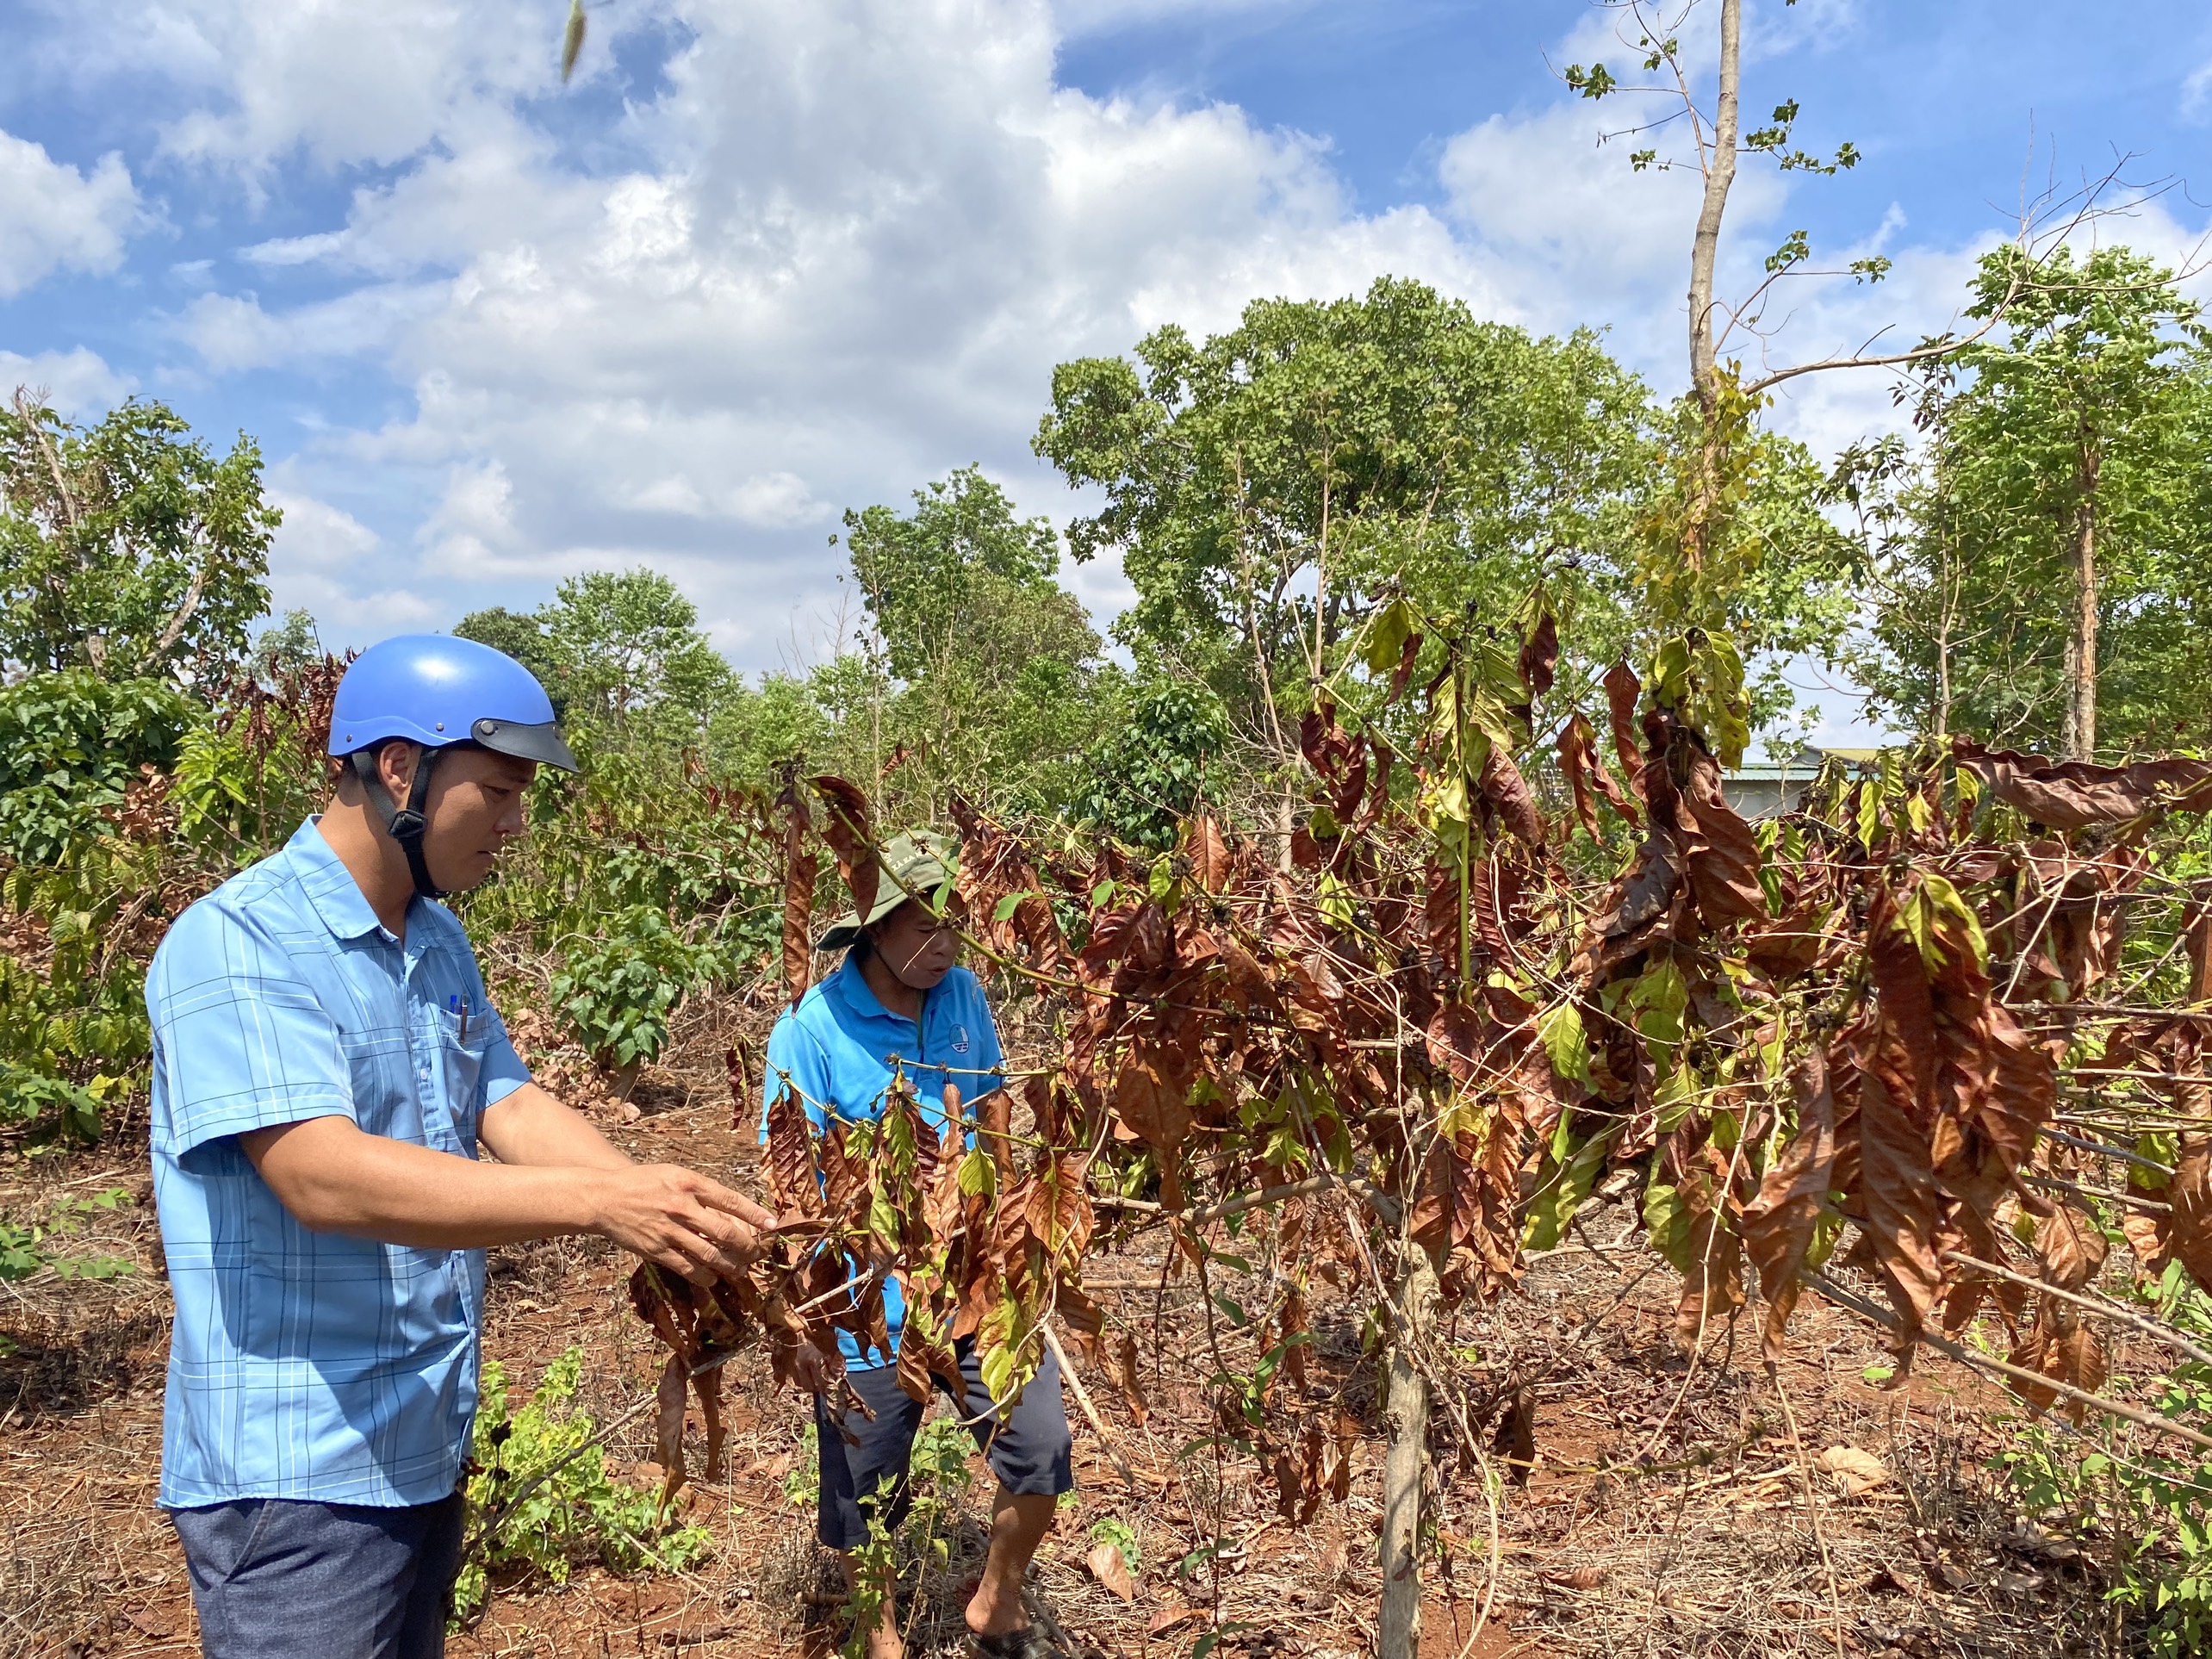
(914, 865)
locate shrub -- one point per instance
(578, 1513)
(2142, 1505)
(1147, 773)
(617, 990)
(73, 1028)
(69, 744)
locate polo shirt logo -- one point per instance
(959, 1040)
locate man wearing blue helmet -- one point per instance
(325, 1064)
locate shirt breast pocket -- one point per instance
(461, 1076)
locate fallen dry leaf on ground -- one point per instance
(1168, 1618)
(1580, 1578)
(1854, 1470)
(1108, 1567)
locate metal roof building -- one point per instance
(1761, 789)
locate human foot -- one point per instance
(992, 1613)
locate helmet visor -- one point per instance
(542, 743)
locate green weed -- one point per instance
(2144, 1510)
(939, 1479)
(27, 1246)
(580, 1513)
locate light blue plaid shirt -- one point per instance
(313, 1365)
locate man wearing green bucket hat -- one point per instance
(900, 996)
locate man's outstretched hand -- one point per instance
(809, 1371)
(680, 1219)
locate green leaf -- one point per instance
(1388, 630)
(1565, 1042)
(1666, 1224)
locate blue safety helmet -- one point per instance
(437, 691)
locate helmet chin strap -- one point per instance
(405, 824)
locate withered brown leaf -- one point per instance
(1898, 1190)
(1778, 1224)
(849, 832)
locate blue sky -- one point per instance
(763, 262)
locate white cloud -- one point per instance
(770, 501)
(77, 383)
(823, 253)
(325, 561)
(2196, 91)
(323, 245)
(54, 216)
(472, 532)
(343, 82)
(315, 536)
(231, 332)
(844, 249)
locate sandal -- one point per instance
(1027, 1643)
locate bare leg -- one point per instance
(1018, 1526)
(884, 1640)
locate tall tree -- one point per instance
(128, 548)
(2074, 413)
(629, 641)
(2037, 567)
(1696, 569)
(1267, 488)
(986, 662)
(615, 649)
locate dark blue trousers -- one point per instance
(275, 1579)
(1026, 1444)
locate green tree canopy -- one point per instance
(991, 667)
(2039, 565)
(1336, 451)
(615, 649)
(128, 548)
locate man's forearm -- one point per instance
(337, 1179)
(530, 1127)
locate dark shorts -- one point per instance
(275, 1579)
(1027, 1445)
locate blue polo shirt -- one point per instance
(311, 1365)
(836, 1048)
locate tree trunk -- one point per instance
(1947, 617)
(1705, 381)
(1943, 680)
(2080, 737)
(1405, 1410)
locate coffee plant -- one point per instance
(1915, 1032)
